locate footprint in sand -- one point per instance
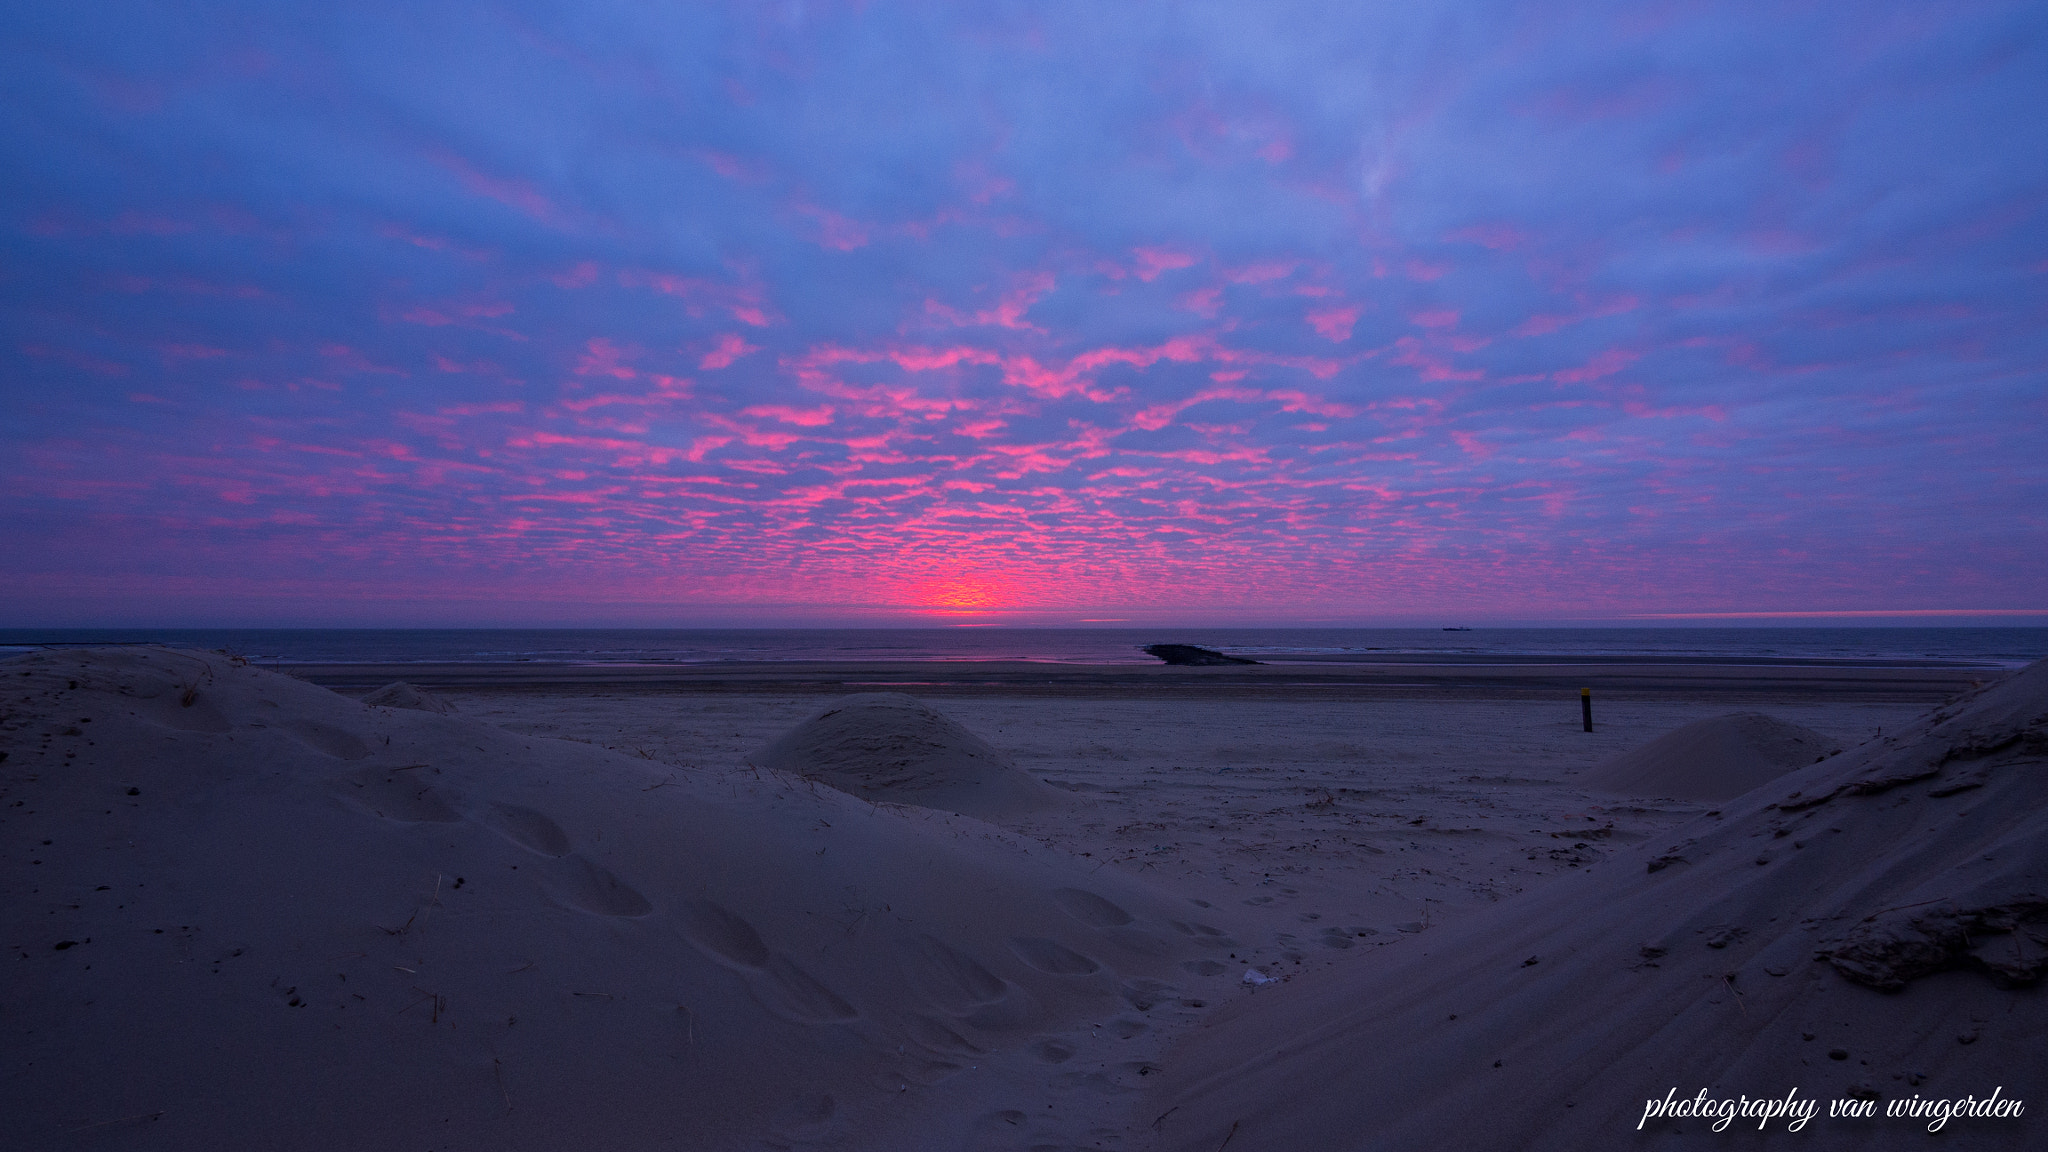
(1144, 994)
(948, 977)
(1015, 1012)
(394, 794)
(1139, 941)
(723, 936)
(813, 1121)
(1090, 909)
(1051, 956)
(1204, 935)
(776, 981)
(328, 740)
(1006, 1124)
(580, 884)
(930, 1033)
(529, 829)
(1053, 1051)
(790, 992)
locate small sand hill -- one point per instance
(1716, 759)
(241, 911)
(888, 747)
(399, 694)
(1872, 924)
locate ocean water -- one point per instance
(1991, 647)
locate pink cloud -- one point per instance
(746, 301)
(980, 429)
(802, 417)
(1411, 352)
(456, 366)
(1029, 288)
(1544, 323)
(982, 185)
(596, 400)
(1334, 324)
(432, 243)
(731, 167)
(347, 357)
(1435, 318)
(601, 358)
(1296, 401)
(730, 347)
(1472, 445)
(1153, 261)
(1261, 272)
(1498, 237)
(520, 195)
(1603, 365)
(1222, 134)
(1206, 302)
(835, 231)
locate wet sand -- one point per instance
(1729, 684)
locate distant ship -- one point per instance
(1457, 629)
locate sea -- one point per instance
(1897, 647)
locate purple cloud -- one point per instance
(1280, 311)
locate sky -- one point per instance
(611, 312)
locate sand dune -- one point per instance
(888, 747)
(1748, 953)
(1715, 759)
(399, 694)
(245, 912)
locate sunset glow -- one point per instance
(1035, 313)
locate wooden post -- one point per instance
(1586, 707)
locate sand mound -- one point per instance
(1716, 759)
(245, 912)
(1854, 929)
(399, 694)
(888, 747)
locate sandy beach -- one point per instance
(551, 908)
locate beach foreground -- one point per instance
(573, 914)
